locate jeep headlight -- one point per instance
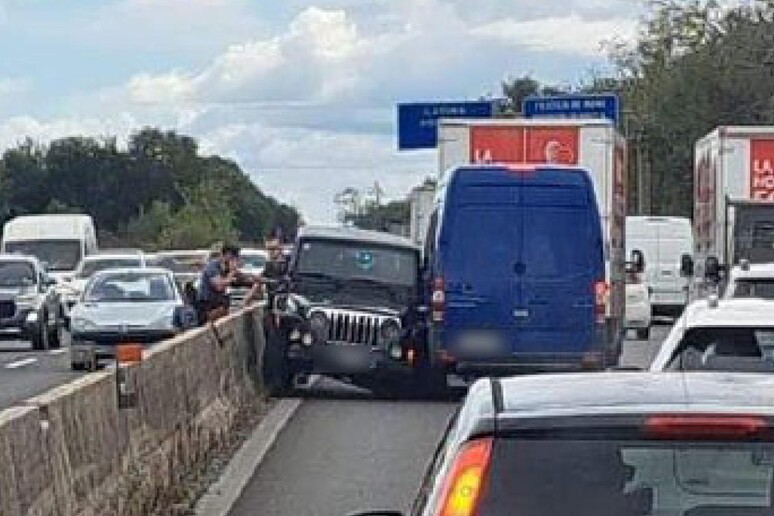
(81, 324)
(389, 333)
(318, 323)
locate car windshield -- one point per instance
(16, 274)
(89, 267)
(180, 263)
(757, 288)
(253, 261)
(719, 348)
(540, 477)
(57, 255)
(130, 286)
(358, 261)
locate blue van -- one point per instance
(515, 271)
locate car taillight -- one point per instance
(601, 294)
(438, 300)
(465, 483)
(706, 427)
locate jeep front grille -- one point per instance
(349, 327)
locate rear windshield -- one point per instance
(536, 477)
(718, 348)
(89, 267)
(758, 288)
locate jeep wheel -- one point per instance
(277, 373)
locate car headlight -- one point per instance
(167, 322)
(82, 324)
(318, 324)
(389, 332)
(27, 300)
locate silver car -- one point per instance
(137, 306)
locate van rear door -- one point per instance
(561, 259)
(481, 232)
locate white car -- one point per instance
(751, 281)
(70, 289)
(253, 260)
(638, 307)
(728, 334)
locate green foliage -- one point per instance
(158, 192)
(385, 217)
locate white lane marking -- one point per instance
(21, 363)
(60, 351)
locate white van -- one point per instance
(58, 241)
(664, 242)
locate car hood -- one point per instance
(128, 313)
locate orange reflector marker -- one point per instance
(706, 427)
(129, 353)
(411, 355)
(466, 481)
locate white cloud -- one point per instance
(567, 34)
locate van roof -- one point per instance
(34, 227)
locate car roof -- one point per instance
(356, 235)
(112, 256)
(621, 393)
(756, 270)
(729, 313)
(130, 270)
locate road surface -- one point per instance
(343, 452)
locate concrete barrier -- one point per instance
(72, 451)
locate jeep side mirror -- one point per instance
(686, 266)
(712, 269)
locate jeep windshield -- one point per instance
(346, 262)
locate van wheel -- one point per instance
(643, 333)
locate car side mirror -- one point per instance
(686, 266)
(712, 269)
(637, 263)
(184, 317)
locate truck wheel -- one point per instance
(643, 333)
(277, 373)
(77, 366)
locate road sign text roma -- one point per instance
(762, 170)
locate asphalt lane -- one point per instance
(344, 452)
(25, 373)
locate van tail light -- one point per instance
(438, 300)
(601, 296)
(463, 487)
(707, 427)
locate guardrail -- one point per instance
(74, 451)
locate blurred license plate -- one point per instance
(351, 356)
(480, 342)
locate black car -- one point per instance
(28, 301)
(687, 444)
(356, 295)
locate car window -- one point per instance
(715, 348)
(16, 274)
(754, 288)
(130, 287)
(600, 476)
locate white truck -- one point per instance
(593, 144)
(58, 241)
(733, 199)
(421, 201)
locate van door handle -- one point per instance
(520, 268)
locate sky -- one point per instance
(301, 93)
